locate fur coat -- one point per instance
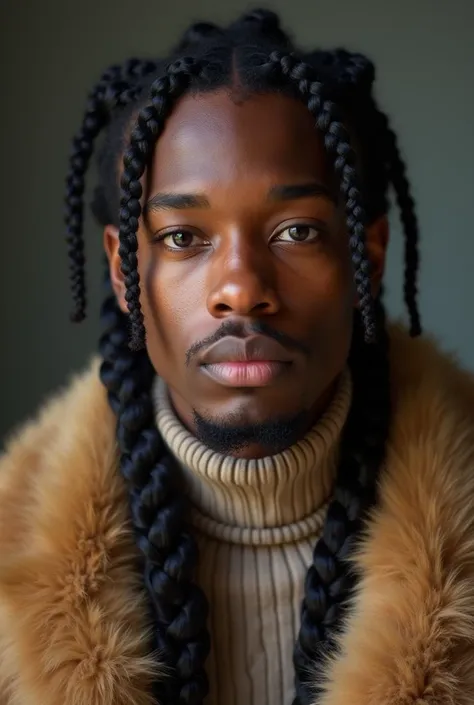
(73, 627)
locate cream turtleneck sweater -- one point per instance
(256, 523)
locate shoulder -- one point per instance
(421, 550)
(51, 453)
(430, 454)
(73, 618)
(431, 445)
(422, 370)
(413, 611)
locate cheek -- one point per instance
(323, 302)
(323, 292)
(168, 309)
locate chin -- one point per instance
(252, 406)
(248, 432)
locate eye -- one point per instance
(298, 233)
(180, 240)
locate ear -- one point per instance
(377, 238)
(111, 247)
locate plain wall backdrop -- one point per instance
(52, 51)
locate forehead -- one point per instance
(215, 139)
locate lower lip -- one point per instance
(245, 374)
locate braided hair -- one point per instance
(336, 86)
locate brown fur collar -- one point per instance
(73, 625)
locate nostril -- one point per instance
(225, 308)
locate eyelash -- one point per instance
(163, 236)
(315, 227)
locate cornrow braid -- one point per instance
(353, 77)
(196, 34)
(149, 125)
(360, 73)
(158, 511)
(329, 581)
(113, 90)
(337, 144)
(406, 203)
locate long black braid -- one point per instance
(158, 510)
(354, 76)
(149, 124)
(398, 178)
(113, 90)
(338, 145)
(329, 583)
(336, 87)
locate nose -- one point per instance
(244, 285)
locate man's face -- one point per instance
(247, 288)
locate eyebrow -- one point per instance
(285, 192)
(292, 192)
(176, 201)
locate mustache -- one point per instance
(239, 329)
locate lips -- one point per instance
(257, 348)
(251, 362)
(245, 374)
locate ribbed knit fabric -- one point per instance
(256, 522)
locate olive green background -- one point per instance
(52, 51)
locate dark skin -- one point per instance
(245, 250)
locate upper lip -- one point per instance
(253, 349)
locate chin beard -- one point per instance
(231, 436)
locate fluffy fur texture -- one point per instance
(73, 614)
